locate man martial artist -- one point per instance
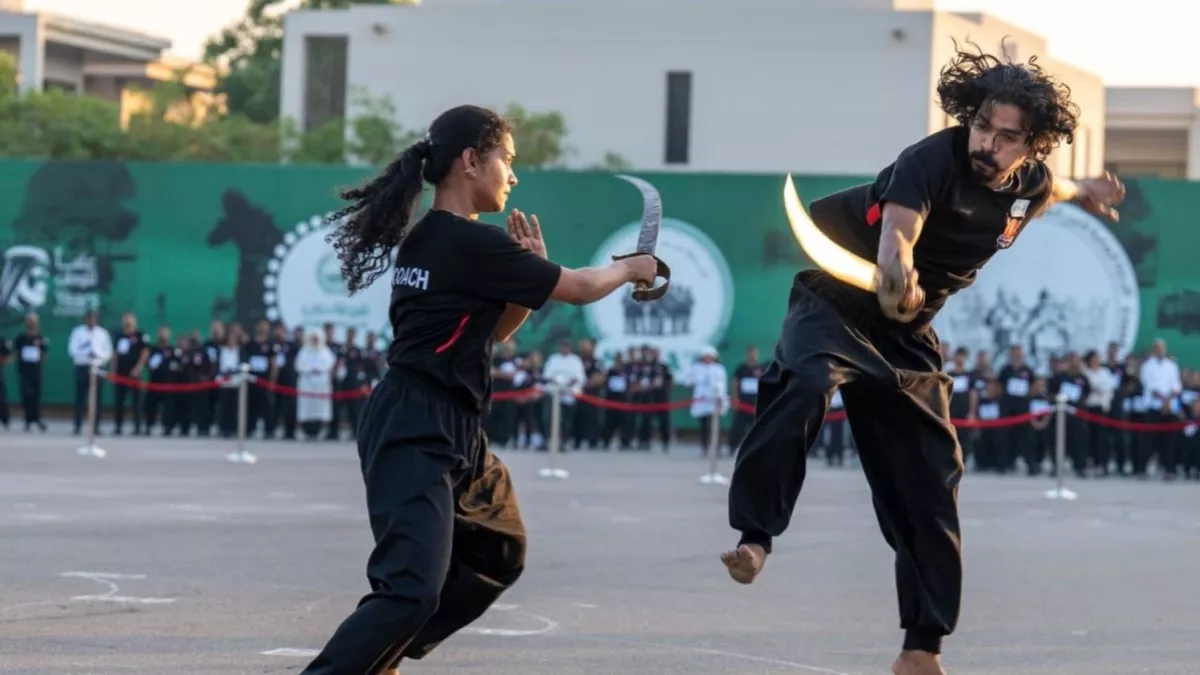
(930, 220)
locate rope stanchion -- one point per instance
(91, 449)
(242, 456)
(1060, 451)
(714, 477)
(554, 443)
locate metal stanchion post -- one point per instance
(1060, 450)
(92, 414)
(714, 477)
(242, 456)
(554, 443)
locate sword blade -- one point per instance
(651, 213)
(837, 261)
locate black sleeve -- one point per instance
(1039, 190)
(497, 268)
(919, 176)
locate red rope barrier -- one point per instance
(533, 393)
(1131, 426)
(349, 394)
(165, 387)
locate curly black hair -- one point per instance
(973, 81)
(368, 231)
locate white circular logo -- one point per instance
(304, 286)
(695, 310)
(1067, 284)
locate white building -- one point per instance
(813, 86)
(117, 64)
(1153, 131)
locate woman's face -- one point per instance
(492, 176)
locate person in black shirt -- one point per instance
(259, 355)
(448, 531)
(964, 399)
(930, 220)
(587, 416)
(1016, 378)
(1068, 380)
(285, 352)
(6, 352)
(30, 349)
(162, 366)
(745, 392)
(132, 350)
(618, 423)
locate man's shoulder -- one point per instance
(945, 141)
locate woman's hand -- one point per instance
(527, 233)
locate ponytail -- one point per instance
(370, 229)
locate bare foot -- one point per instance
(745, 563)
(917, 663)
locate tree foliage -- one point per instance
(172, 125)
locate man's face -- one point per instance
(998, 143)
(1016, 356)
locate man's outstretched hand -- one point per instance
(1100, 195)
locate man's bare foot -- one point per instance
(745, 563)
(917, 663)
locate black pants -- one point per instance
(897, 404)
(4, 413)
(30, 382)
(120, 393)
(617, 423)
(449, 538)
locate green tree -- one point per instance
(250, 52)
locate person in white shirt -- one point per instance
(88, 342)
(1161, 385)
(565, 369)
(710, 393)
(1101, 388)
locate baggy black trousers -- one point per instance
(897, 403)
(449, 538)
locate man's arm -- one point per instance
(1097, 195)
(899, 295)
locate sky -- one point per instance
(1142, 43)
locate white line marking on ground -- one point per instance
(106, 578)
(547, 624)
(288, 651)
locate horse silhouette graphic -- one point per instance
(252, 230)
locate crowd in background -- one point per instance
(605, 404)
(286, 359)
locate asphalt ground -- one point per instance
(165, 558)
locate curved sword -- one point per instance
(837, 261)
(648, 238)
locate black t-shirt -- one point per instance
(452, 281)
(965, 222)
(1016, 382)
(129, 349)
(960, 391)
(30, 351)
(746, 378)
(258, 356)
(163, 363)
(1075, 387)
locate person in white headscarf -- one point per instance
(710, 393)
(314, 369)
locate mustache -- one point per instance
(984, 158)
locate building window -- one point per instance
(679, 117)
(324, 80)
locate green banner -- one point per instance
(182, 245)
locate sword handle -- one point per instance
(642, 292)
